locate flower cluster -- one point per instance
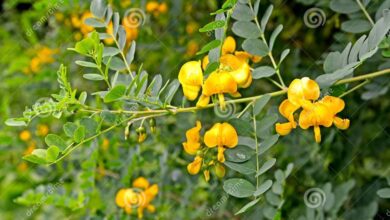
(304, 93)
(156, 8)
(43, 56)
(220, 135)
(139, 197)
(233, 73)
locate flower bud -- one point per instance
(141, 132)
(152, 124)
(220, 170)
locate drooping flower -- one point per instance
(336, 105)
(286, 109)
(139, 197)
(221, 136)
(304, 93)
(193, 139)
(229, 45)
(218, 83)
(191, 79)
(194, 167)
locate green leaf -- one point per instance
(116, 63)
(277, 188)
(273, 199)
(115, 93)
(263, 72)
(213, 44)
(344, 6)
(211, 67)
(266, 17)
(246, 29)
(52, 154)
(274, 35)
(16, 122)
(279, 176)
(263, 188)
(356, 26)
(93, 77)
(238, 154)
(255, 47)
(242, 13)
(289, 169)
(266, 166)
(55, 140)
(38, 156)
(243, 127)
(85, 47)
(93, 22)
(90, 126)
(86, 64)
(246, 167)
(212, 26)
(110, 51)
(98, 8)
(265, 124)
(79, 134)
(268, 143)
(384, 193)
(260, 103)
(239, 188)
(69, 129)
(171, 91)
(247, 206)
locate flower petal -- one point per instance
(141, 182)
(194, 167)
(340, 123)
(211, 136)
(283, 128)
(229, 46)
(228, 135)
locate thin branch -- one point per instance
(363, 8)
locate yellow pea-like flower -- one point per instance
(247, 56)
(191, 79)
(318, 115)
(152, 6)
(221, 135)
(194, 167)
(238, 68)
(86, 29)
(229, 45)
(336, 105)
(302, 91)
(193, 139)
(286, 109)
(217, 83)
(141, 182)
(25, 135)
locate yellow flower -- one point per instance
(286, 109)
(163, 8)
(238, 68)
(42, 130)
(316, 116)
(205, 62)
(336, 105)
(218, 83)
(25, 135)
(131, 30)
(229, 45)
(105, 144)
(193, 139)
(192, 27)
(245, 56)
(138, 197)
(194, 167)
(31, 147)
(302, 91)
(221, 136)
(84, 28)
(191, 79)
(192, 48)
(152, 6)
